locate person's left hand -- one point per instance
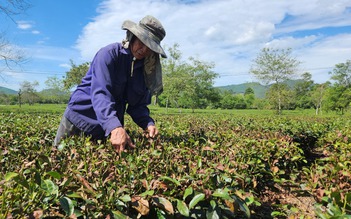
(152, 131)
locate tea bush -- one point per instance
(200, 166)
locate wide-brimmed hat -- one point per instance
(149, 31)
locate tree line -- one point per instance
(190, 84)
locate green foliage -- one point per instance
(75, 74)
(275, 66)
(187, 84)
(215, 164)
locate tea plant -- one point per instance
(200, 166)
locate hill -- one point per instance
(260, 90)
(4, 90)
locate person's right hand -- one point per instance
(120, 139)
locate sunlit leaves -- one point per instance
(199, 166)
(196, 199)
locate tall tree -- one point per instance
(75, 74)
(303, 91)
(29, 92)
(340, 93)
(174, 77)
(318, 95)
(187, 84)
(275, 66)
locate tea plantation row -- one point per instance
(200, 166)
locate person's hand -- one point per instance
(152, 131)
(120, 139)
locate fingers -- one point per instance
(120, 140)
(152, 130)
(119, 149)
(129, 142)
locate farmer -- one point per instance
(122, 78)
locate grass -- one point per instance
(60, 108)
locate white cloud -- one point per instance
(231, 33)
(24, 25)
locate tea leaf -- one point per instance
(242, 206)
(164, 204)
(197, 198)
(67, 205)
(49, 187)
(182, 208)
(10, 175)
(147, 193)
(188, 191)
(174, 181)
(222, 193)
(119, 215)
(54, 174)
(125, 198)
(141, 205)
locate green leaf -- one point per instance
(119, 215)
(54, 174)
(212, 214)
(67, 205)
(242, 205)
(74, 195)
(166, 178)
(147, 193)
(10, 175)
(188, 191)
(222, 193)
(125, 198)
(182, 208)
(160, 214)
(49, 187)
(197, 198)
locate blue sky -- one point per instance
(229, 33)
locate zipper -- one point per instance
(132, 68)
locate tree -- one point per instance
(10, 54)
(201, 81)
(318, 95)
(249, 97)
(342, 74)
(75, 74)
(174, 76)
(188, 85)
(55, 91)
(286, 100)
(303, 91)
(275, 66)
(11, 8)
(340, 93)
(28, 92)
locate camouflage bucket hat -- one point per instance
(149, 31)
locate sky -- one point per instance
(228, 33)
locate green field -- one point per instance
(203, 164)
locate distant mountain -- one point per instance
(4, 90)
(259, 90)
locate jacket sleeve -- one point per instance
(140, 113)
(101, 89)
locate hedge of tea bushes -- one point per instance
(200, 164)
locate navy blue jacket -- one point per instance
(99, 103)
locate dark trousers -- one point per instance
(65, 130)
